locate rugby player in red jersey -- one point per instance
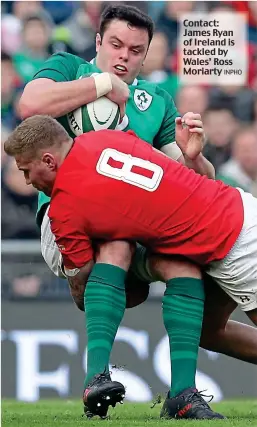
(100, 191)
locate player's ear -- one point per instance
(49, 160)
(98, 42)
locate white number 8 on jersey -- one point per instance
(125, 173)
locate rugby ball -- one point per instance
(97, 115)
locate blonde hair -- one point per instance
(34, 134)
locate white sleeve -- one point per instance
(49, 248)
(172, 150)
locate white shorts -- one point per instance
(237, 272)
(49, 248)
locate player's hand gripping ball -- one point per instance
(97, 115)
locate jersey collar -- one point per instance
(93, 61)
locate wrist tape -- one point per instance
(103, 84)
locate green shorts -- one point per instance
(139, 265)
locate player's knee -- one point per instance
(117, 253)
(166, 268)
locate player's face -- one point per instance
(122, 50)
(38, 172)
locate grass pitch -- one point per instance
(68, 413)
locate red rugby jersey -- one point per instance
(112, 185)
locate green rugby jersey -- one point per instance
(150, 110)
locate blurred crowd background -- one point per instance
(33, 30)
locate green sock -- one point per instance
(183, 304)
(105, 303)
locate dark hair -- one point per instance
(131, 14)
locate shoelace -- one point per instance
(102, 376)
(199, 396)
(195, 395)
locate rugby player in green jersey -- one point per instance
(56, 90)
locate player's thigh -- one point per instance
(49, 249)
(169, 267)
(118, 253)
(151, 267)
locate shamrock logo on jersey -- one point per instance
(142, 99)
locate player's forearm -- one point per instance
(44, 96)
(201, 165)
